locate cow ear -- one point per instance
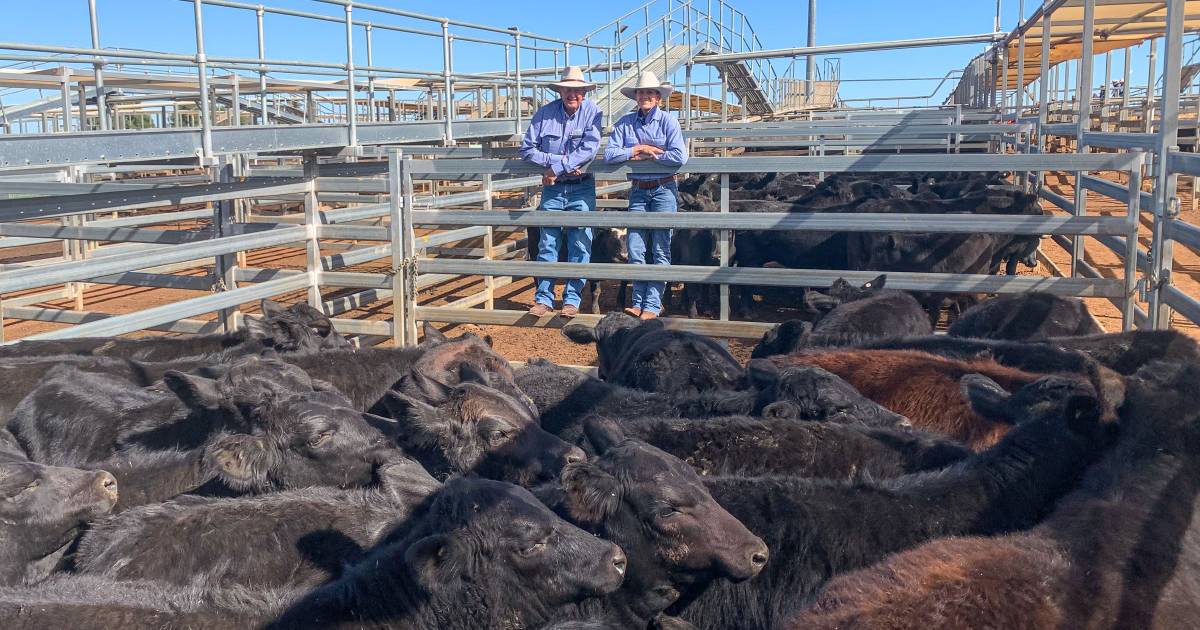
(242, 461)
(414, 413)
(818, 304)
(1083, 415)
(592, 494)
(488, 340)
(470, 373)
(603, 433)
(431, 389)
(432, 559)
(273, 309)
(432, 335)
(313, 318)
(386, 426)
(986, 398)
(580, 334)
(196, 392)
(782, 410)
(258, 328)
(875, 283)
(793, 334)
(762, 374)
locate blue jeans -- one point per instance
(578, 197)
(648, 295)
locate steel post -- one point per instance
(1083, 122)
(101, 99)
(489, 240)
(1043, 93)
(263, 117)
(517, 68)
(235, 94)
(1163, 247)
(64, 83)
(447, 85)
(1132, 217)
(351, 105)
(312, 222)
(225, 265)
(398, 195)
(371, 114)
(202, 71)
(1148, 106)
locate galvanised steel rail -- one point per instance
(409, 265)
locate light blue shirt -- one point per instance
(656, 128)
(560, 142)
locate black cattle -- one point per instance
(647, 356)
(1127, 352)
(41, 510)
(1026, 316)
(1119, 552)
(566, 395)
(297, 328)
(608, 246)
(818, 529)
(367, 375)
(656, 508)
(261, 426)
(474, 428)
(293, 539)
(845, 316)
(696, 248)
(10, 448)
(485, 554)
(742, 445)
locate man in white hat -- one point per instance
(648, 133)
(562, 138)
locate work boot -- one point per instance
(540, 310)
(648, 315)
(568, 311)
(633, 312)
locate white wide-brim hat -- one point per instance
(572, 78)
(648, 81)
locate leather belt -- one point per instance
(576, 180)
(646, 184)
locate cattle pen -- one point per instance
(198, 173)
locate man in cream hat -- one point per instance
(648, 133)
(562, 138)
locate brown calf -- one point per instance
(922, 387)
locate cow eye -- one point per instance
(497, 435)
(668, 511)
(321, 438)
(24, 491)
(536, 547)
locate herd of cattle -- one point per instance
(880, 193)
(1023, 471)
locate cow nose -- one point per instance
(758, 557)
(575, 456)
(107, 485)
(619, 561)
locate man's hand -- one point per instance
(548, 177)
(576, 173)
(645, 152)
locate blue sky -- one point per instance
(166, 25)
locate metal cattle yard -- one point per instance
(164, 170)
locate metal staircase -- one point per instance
(681, 34)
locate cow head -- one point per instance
(481, 533)
(608, 335)
(811, 393)
(446, 359)
(477, 429)
(296, 328)
(42, 507)
(658, 510)
(784, 338)
(1049, 396)
(279, 429)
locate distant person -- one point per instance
(562, 138)
(648, 133)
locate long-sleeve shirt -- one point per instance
(656, 128)
(560, 142)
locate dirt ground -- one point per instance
(520, 344)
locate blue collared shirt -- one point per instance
(656, 128)
(560, 142)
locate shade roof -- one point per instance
(1118, 24)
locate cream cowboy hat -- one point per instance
(648, 81)
(572, 78)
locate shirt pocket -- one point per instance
(550, 142)
(574, 140)
(655, 136)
